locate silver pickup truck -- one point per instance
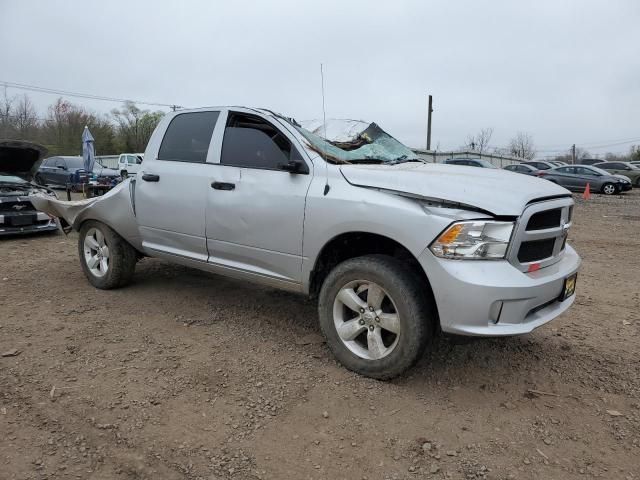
(395, 250)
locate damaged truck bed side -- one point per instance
(395, 250)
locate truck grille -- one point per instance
(540, 233)
(536, 250)
(545, 219)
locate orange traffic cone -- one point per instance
(587, 192)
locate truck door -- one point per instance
(255, 212)
(171, 190)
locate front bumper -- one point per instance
(41, 223)
(625, 187)
(493, 298)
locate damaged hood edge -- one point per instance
(497, 192)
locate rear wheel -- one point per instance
(375, 316)
(38, 179)
(107, 260)
(609, 189)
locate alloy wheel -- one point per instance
(366, 319)
(96, 252)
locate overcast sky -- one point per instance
(562, 71)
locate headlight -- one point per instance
(474, 240)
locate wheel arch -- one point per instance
(359, 243)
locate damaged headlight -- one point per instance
(474, 240)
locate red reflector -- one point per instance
(534, 267)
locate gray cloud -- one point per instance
(563, 71)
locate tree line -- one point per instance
(126, 129)
(522, 146)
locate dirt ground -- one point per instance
(190, 375)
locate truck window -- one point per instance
(251, 142)
(188, 136)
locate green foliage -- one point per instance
(125, 130)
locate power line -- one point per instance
(35, 88)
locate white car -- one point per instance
(129, 163)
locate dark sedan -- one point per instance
(470, 162)
(540, 165)
(65, 170)
(523, 168)
(576, 177)
(18, 161)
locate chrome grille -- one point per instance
(540, 233)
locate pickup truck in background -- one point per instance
(129, 163)
(394, 249)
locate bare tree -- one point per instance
(6, 116)
(135, 126)
(25, 118)
(480, 141)
(522, 146)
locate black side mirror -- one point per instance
(294, 166)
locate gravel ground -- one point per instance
(190, 375)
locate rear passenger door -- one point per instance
(171, 190)
(255, 212)
(565, 176)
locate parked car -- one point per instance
(590, 161)
(129, 163)
(66, 170)
(18, 162)
(576, 178)
(470, 162)
(540, 165)
(625, 169)
(523, 168)
(394, 249)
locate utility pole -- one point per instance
(429, 110)
(573, 154)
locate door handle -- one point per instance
(223, 186)
(150, 177)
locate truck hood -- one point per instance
(499, 192)
(21, 158)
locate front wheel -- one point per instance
(609, 189)
(107, 260)
(124, 174)
(375, 316)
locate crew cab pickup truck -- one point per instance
(394, 249)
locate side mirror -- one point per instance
(294, 166)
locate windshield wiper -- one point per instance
(405, 160)
(372, 161)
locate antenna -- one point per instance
(324, 127)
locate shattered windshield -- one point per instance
(357, 142)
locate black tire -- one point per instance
(39, 181)
(638, 182)
(607, 190)
(411, 299)
(124, 174)
(122, 258)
